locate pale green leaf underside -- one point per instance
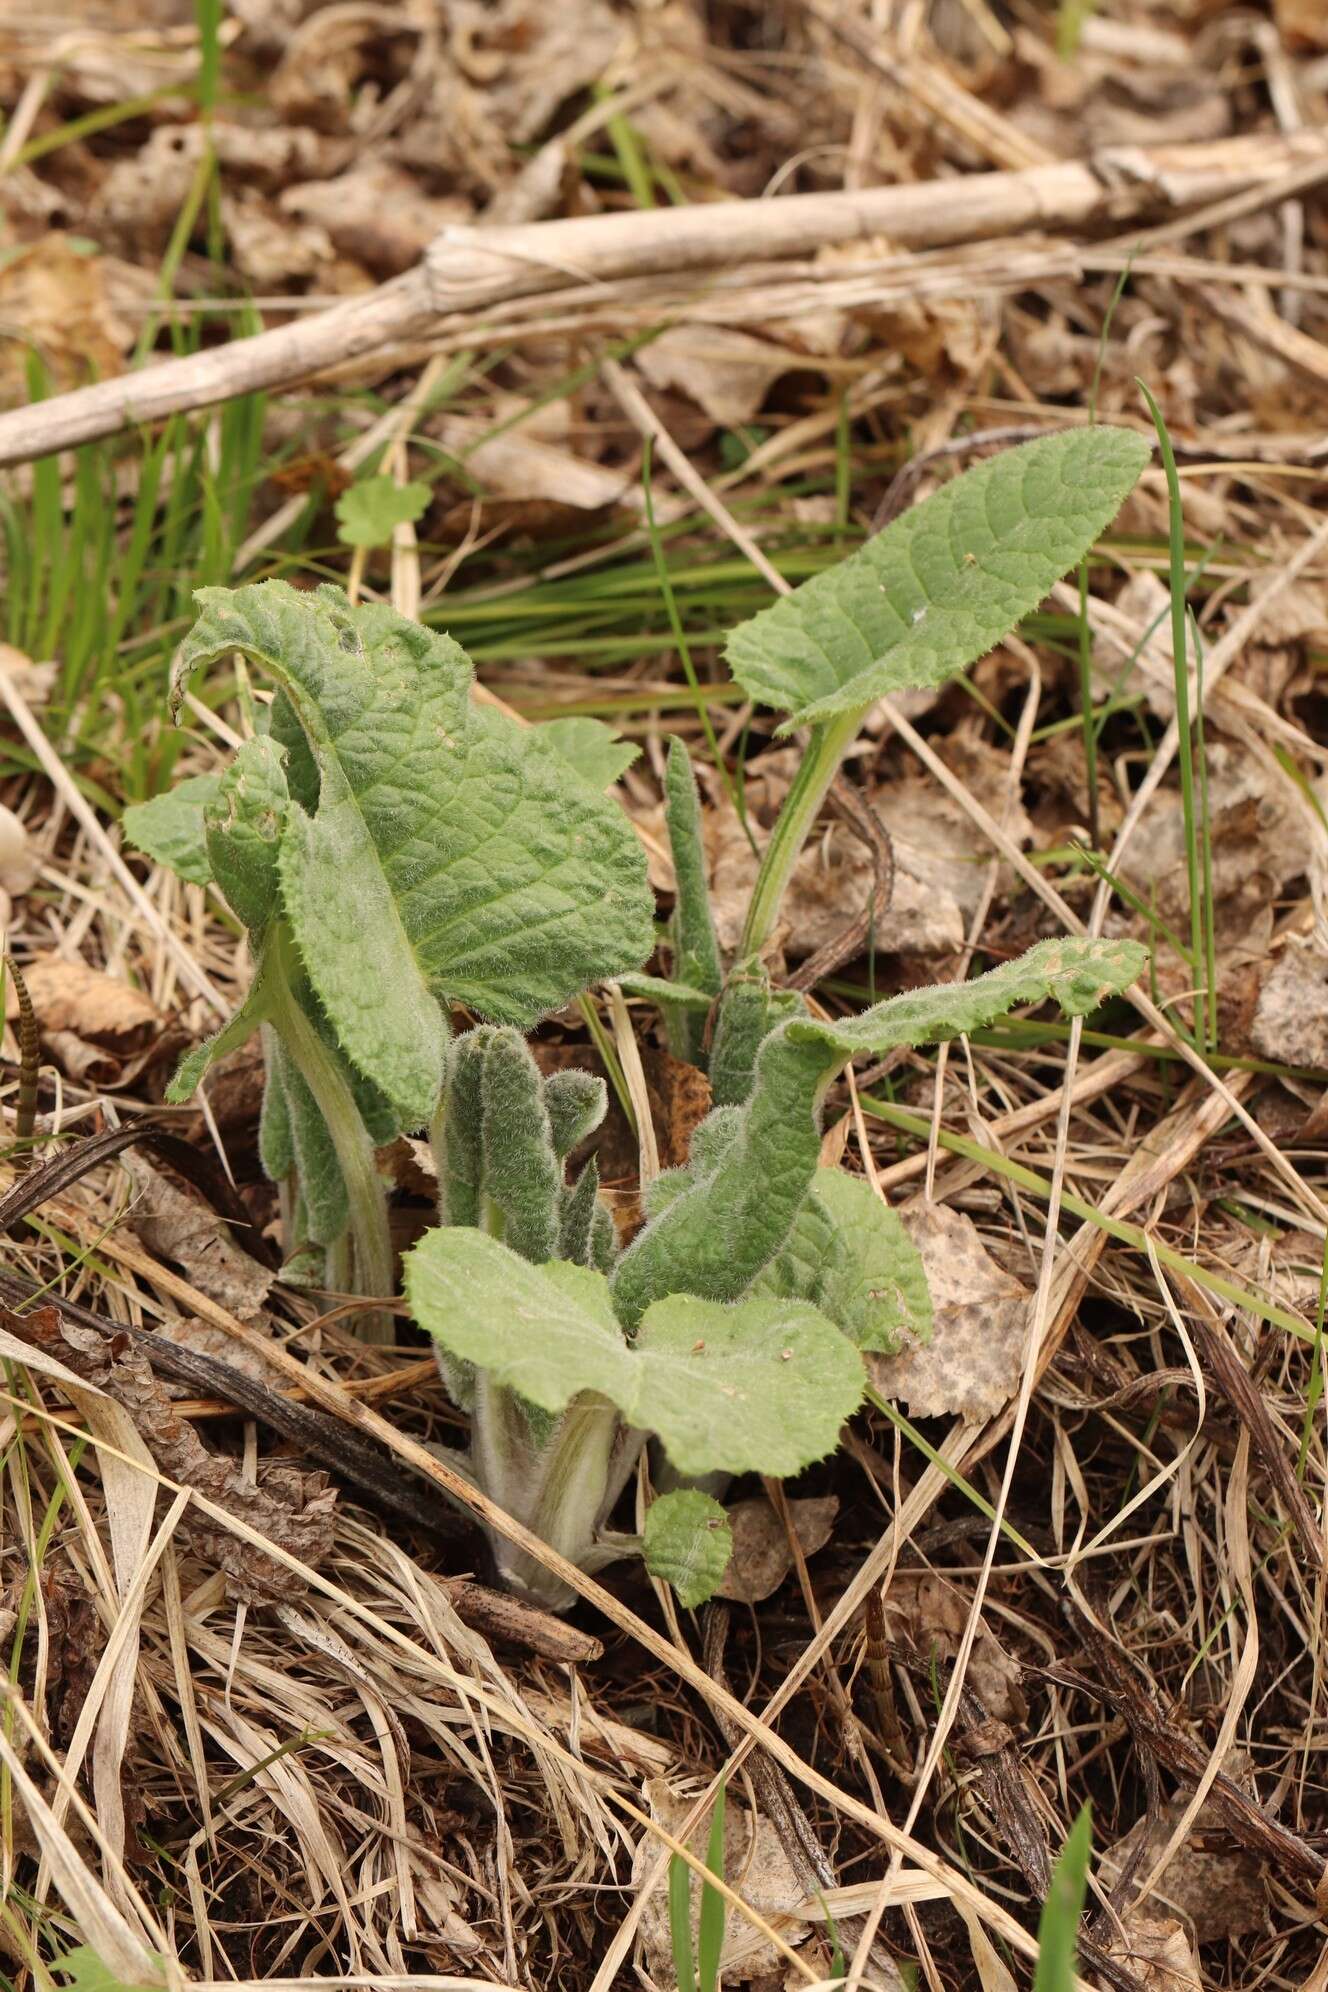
(589, 747)
(760, 1387)
(658, 989)
(451, 855)
(938, 587)
(170, 827)
(687, 1542)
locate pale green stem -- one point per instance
(560, 1496)
(375, 1262)
(820, 764)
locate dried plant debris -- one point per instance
(287, 1506)
(399, 1772)
(755, 1864)
(972, 1365)
(173, 1221)
(762, 1554)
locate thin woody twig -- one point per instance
(468, 271)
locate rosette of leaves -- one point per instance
(731, 1330)
(392, 848)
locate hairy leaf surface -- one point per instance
(938, 587)
(448, 855)
(589, 747)
(849, 1254)
(243, 824)
(718, 1235)
(760, 1387)
(687, 1542)
(170, 827)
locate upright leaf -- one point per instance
(943, 583)
(449, 855)
(1058, 1926)
(696, 959)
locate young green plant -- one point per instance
(390, 847)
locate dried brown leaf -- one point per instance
(1291, 1017)
(171, 1220)
(291, 1506)
(679, 1100)
(755, 1864)
(972, 1365)
(726, 373)
(1215, 1884)
(103, 1009)
(762, 1557)
(55, 301)
(375, 214)
(1158, 1952)
(930, 1615)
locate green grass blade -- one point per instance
(1058, 1929)
(710, 1930)
(680, 1923)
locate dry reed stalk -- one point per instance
(471, 270)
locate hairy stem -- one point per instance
(820, 764)
(375, 1263)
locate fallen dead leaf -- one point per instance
(833, 881)
(972, 1365)
(762, 1557)
(101, 1009)
(931, 1616)
(517, 465)
(1302, 22)
(271, 249)
(726, 373)
(1158, 1953)
(1291, 1017)
(1260, 836)
(755, 1865)
(54, 301)
(374, 214)
(679, 1100)
(173, 1222)
(1216, 1885)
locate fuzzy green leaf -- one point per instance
(943, 583)
(761, 1387)
(448, 855)
(696, 958)
(687, 1542)
(576, 1102)
(236, 1031)
(718, 1235)
(849, 1254)
(170, 827)
(244, 823)
(659, 989)
(590, 747)
(369, 511)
